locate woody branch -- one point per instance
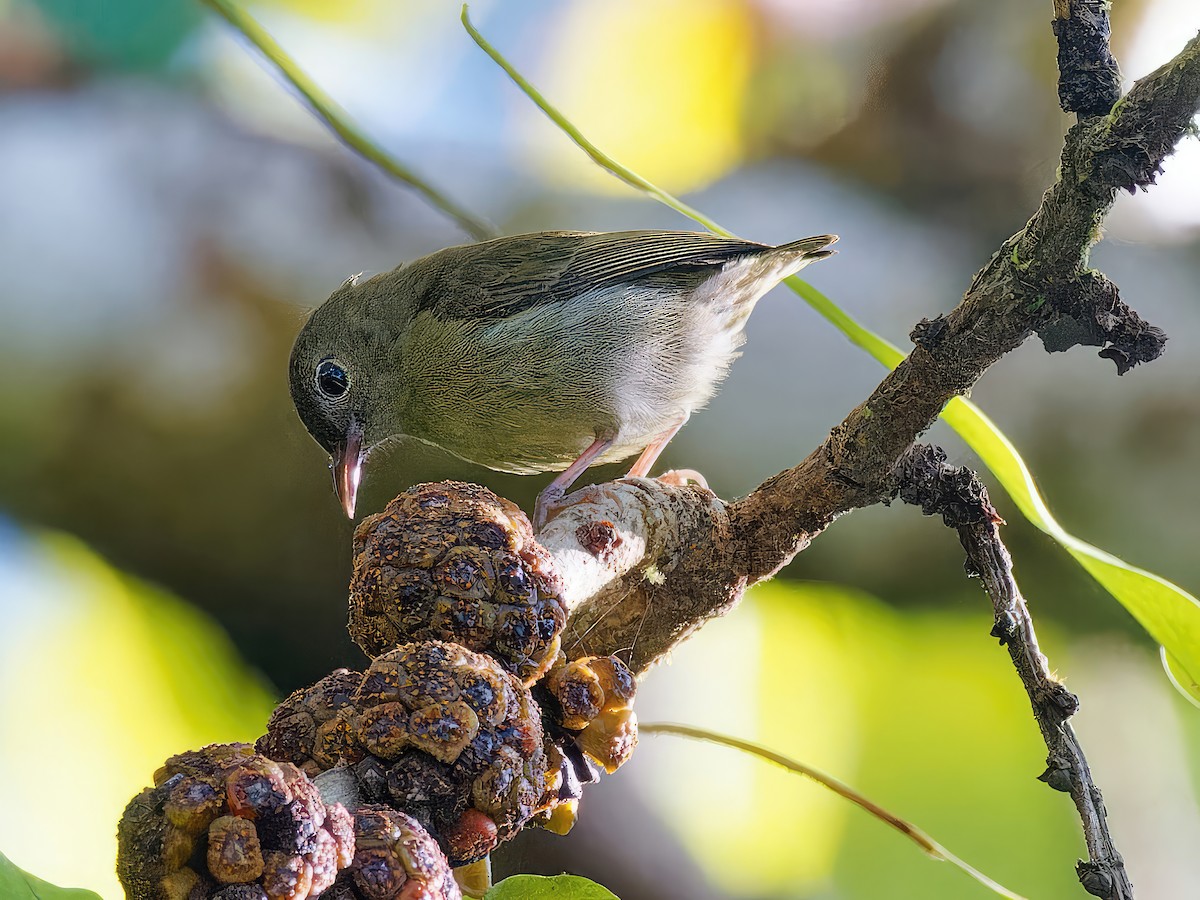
(648, 562)
(651, 562)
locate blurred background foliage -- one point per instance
(171, 557)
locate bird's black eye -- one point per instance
(332, 380)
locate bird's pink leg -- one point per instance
(549, 498)
(650, 455)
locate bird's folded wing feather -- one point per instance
(500, 278)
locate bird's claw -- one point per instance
(548, 504)
(684, 477)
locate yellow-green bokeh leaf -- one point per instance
(116, 678)
(728, 677)
(919, 711)
(660, 82)
(553, 887)
(18, 885)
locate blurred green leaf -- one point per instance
(663, 56)
(125, 34)
(116, 676)
(794, 767)
(919, 711)
(1168, 613)
(18, 885)
(556, 887)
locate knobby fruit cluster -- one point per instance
(469, 724)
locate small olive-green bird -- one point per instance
(547, 352)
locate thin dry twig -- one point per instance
(960, 498)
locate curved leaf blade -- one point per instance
(542, 887)
(16, 884)
(1168, 613)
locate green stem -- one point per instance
(598, 156)
(338, 120)
(863, 337)
(910, 831)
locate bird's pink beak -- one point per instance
(347, 470)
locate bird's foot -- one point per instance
(549, 501)
(684, 477)
(547, 505)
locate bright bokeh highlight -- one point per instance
(661, 90)
(115, 677)
(917, 711)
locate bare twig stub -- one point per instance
(1089, 80)
(645, 565)
(959, 497)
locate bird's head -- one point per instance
(336, 375)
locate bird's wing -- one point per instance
(500, 278)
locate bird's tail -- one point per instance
(770, 265)
(809, 248)
(788, 259)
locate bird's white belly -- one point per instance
(626, 365)
(673, 377)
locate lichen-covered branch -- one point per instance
(960, 498)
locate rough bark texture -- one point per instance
(660, 560)
(1089, 80)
